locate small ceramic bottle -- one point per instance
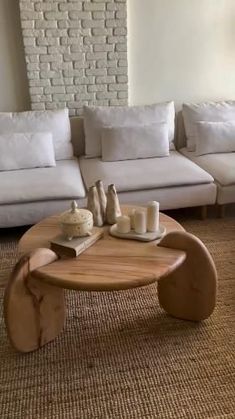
(113, 209)
(93, 205)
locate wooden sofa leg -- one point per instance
(221, 211)
(203, 212)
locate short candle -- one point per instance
(123, 224)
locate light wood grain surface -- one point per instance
(110, 264)
(34, 311)
(189, 292)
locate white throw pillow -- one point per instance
(57, 122)
(215, 137)
(208, 111)
(129, 143)
(96, 118)
(26, 150)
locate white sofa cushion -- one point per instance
(25, 213)
(57, 122)
(183, 196)
(26, 150)
(207, 111)
(130, 175)
(176, 197)
(60, 182)
(221, 166)
(215, 137)
(131, 142)
(95, 118)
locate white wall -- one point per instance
(182, 50)
(178, 49)
(13, 81)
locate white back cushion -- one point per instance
(96, 118)
(208, 111)
(26, 150)
(128, 143)
(215, 137)
(57, 122)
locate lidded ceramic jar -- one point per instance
(76, 222)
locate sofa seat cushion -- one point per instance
(220, 165)
(59, 182)
(152, 173)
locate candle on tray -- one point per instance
(123, 224)
(140, 221)
(132, 218)
(153, 216)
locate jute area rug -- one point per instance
(121, 356)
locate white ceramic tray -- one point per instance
(146, 237)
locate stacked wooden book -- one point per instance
(73, 248)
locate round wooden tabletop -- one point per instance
(109, 264)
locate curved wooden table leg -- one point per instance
(189, 292)
(34, 311)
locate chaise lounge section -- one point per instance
(220, 117)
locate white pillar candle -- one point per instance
(153, 216)
(131, 215)
(123, 224)
(140, 221)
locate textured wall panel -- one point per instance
(76, 52)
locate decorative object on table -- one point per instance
(132, 219)
(76, 222)
(93, 205)
(74, 247)
(140, 224)
(153, 216)
(132, 235)
(113, 209)
(123, 224)
(102, 198)
(140, 221)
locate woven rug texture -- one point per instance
(120, 356)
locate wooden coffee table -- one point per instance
(34, 298)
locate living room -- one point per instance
(83, 82)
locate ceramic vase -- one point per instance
(113, 207)
(93, 205)
(102, 198)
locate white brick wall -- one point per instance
(76, 52)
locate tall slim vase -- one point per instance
(113, 209)
(102, 198)
(93, 205)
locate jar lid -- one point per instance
(75, 215)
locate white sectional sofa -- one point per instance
(176, 181)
